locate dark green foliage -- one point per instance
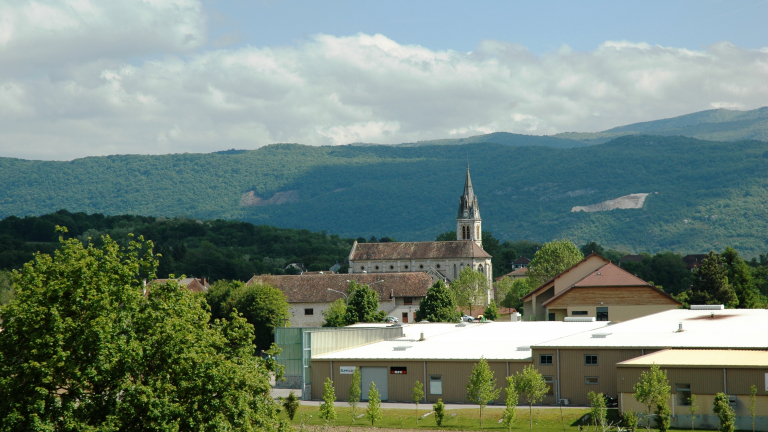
(363, 305)
(665, 269)
(718, 188)
(291, 404)
(710, 283)
(724, 412)
(439, 409)
(439, 305)
(740, 279)
(263, 306)
(663, 415)
(491, 311)
(215, 249)
(6, 288)
(91, 352)
(336, 314)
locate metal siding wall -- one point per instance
(573, 370)
(739, 380)
(320, 371)
(324, 342)
(702, 381)
(455, 377)
(549, 370)
(400, 386)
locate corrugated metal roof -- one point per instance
(497, 341)
(701, 358)
(730, 328)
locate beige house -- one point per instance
(309, 295)
(441, 260)
(596, 288)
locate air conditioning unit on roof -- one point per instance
(579, 319)
(707, 307)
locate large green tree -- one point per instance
(710, 283)
(481, 388)
(740, 279)
(336, 314)
(650, 389)
(264, 306)
(470, 288)
(85, 347)
(514, 291)
(6, 288)
(439, 305)
(552, 259)
(362, 305)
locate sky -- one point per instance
(90, 78)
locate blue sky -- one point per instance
(88, 77)
(540, 26)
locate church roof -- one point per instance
(468, 201)
(314, 288)
(416, 250)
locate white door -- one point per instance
(379, 376)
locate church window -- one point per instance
(478, 232)
(377, 267)
(421, 266)
(406, 266)
(454, 271)
(438, 266)
(362, 267)
(391, 267)
(480, 268)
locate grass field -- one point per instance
(544, 420)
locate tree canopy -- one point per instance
(84, 347)
(710, 283)
(362, 305)
(263, 306)
(469, 288)
(552, 259)
(439, 305)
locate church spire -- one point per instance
(468, 220)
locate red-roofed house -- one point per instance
(595, 288)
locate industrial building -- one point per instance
(705, 350)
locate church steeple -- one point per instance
(468, 222)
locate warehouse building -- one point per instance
(441, 356)
(703, 373)
(587, 361)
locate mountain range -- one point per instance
(646, 190)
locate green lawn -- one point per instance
(544, 420)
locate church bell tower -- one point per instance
(468, 222)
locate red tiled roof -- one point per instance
(314, 288)
(416, 250)
(546, 284)
(610, 275)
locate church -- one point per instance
(440, 259)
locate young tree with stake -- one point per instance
(510, 412)
(373, 413)
(652, 386)
(752, 404)
(692, 408)
(418, 395)
(531, 387)
(327, 410)
(354, 393)
(481, 388)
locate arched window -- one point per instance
(480, 268)
(454, 271)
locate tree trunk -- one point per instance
(530, 416)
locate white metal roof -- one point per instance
(493, 341)
(730, 328)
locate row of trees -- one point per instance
(528, 386)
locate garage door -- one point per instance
(379, 376)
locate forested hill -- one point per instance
(703, 195)
(716, 125)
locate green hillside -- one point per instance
(703, 194)
(714, 125)
(506, 138)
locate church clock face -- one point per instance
(466, 214)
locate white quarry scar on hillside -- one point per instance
(632, 201)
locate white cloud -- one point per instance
(76, 93)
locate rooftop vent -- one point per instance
(579, 319)
(401, 348)
(707, 307)
(461, 324)
(601, 335)
(523, 348)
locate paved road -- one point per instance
(404, 405)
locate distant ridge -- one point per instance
(711, 125)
